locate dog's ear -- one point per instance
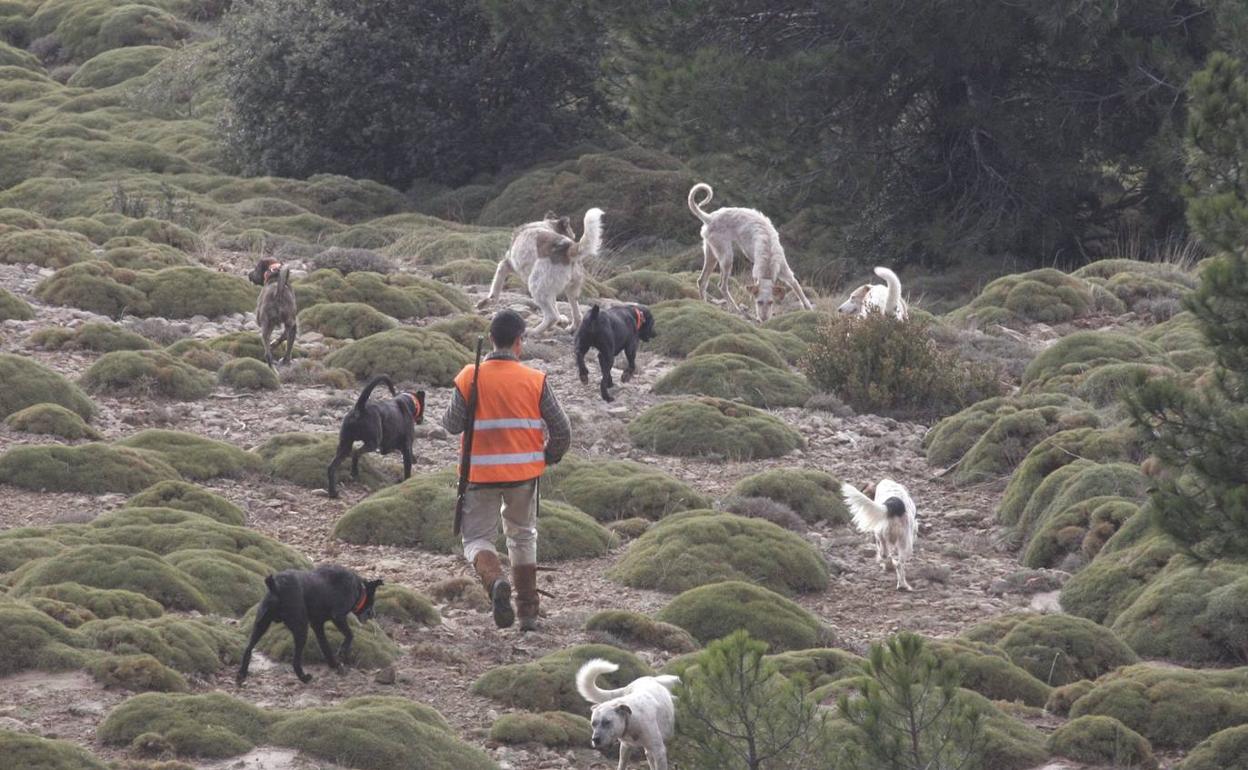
(552, 216)
(565, 224)
(779, 291)
(752, 289)
(373, 585)
(624, 710)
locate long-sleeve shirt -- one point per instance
(558, 429)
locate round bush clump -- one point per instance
(209, 725)
(117, 65)
(25, 546)
(147, 372)
(347, 260)
(1061, 649)
(190, 645)
(812, 494)
(51, 420)
(345, 320)
(1191, 613)
(713, 611)
(639, 630)
(699, 547)
(101, 602)
(184, 292)
(26, 750)
(45, 248)
(31, 639)
(27, 382)
(1077, 482)
(116, 566)
(685, 324)
(553, 729)
(464, 329)
(988, 672)
(467, 272)
(195, 457)
(405, 606)
(611, 490)
(1125, 566)
(231, 582)
(96, 286)
(247, 374)
(549, 683)
(1087, 445)
(14, 308)
(803, 324)
(650, 287)
(1102, 741)
(1040, 296)
(756, 348)
(1081, 528)
(729, 375)
(303, 459)
(102, 338)
(712, 427)
(950, 439)
(400, 295)
(371, 648)
(138, 673)
(92, 468)
(183, 496)
(1073, 356)
(1222, 750)
(565, 533)
(1062, 698)
(415, 355)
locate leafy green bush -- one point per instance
(116, 566)
(13, 308)
(650, 287)
(187, 497)
(553, 729)
(618, 489)
(31, 639)
(1102, 741)
(147, 372)
(729, 375)
(549, 683)
(133, 253)
(1040, 296)
(101, 602)
(27, 382)
(812, 494)
(410, 354)
(563, 532)
(641, 630)
(345, 320)
(399, 295)
(303, 459)
(51, 420)
(405, 606)
(26, 750)
(96, 286)
(92, 468)
(45, 248)
(1067, 361)
(886, 365)
(247, 374)
(1228, 748)
(195, 457)
(713, 611)
(756, 348)
(711, 427)
(208, 725)
(68, 615)
(699, 547)
(117, 65)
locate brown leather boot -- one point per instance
(490, 570)
(525, 577)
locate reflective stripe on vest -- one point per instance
(510, 437)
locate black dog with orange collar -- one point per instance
(381, 426)
(612, 331)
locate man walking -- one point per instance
(519, 429)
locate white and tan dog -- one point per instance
(871, 297)
(551, 262)
(891, 518)
(640, 714)
(758, 239)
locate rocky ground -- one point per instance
(962, 573)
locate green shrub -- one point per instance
(756, 348)
(409, 354)
(467, 272)
(549, 683)
(187, 497)
(195, 457)
(1060, 449)
(641, 630)
(817, 667)
(95, 286)
(1040, 296)
(209, 725)
(1077, 482)
(68, 615)
(405, 606)
(188, 645)
(1066, 362)
(728, 375)
(117, 65)
(464, 329)
(713, 611)
(990, 673)
(1192, 613)
(412, 514)
(563, 533)
(230, 582)
(1225, 749)
(134, 253)
(345, 320)
(17, 550)
(198, 354)
(147, 372)
(1009, 433)
(92, 468)
(683, 325)
(101, 602)
(712, 427)
(51, 420)
(184, 292)
(1102, 741)
(885, 365)
(553, 729)
(1081, 528)
(1116, 577)
(31, 751)
(372, 648)
(303, 459)
(11, 56)
(102, 338)
(812, 494)
(31, 639)
(1061, 649)
(1171, 707)
(138, 673)
(116, 566)
(27, 382)
(45, 248)
(247, 374)
(699, 547)
(803, 324)
(650, 287)
(352, 260)
(14, 308)
(618, 489)
(399, 295)
(1062, 698)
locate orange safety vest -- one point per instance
(510, 440)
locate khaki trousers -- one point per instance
(517, 506)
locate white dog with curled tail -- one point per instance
(643, 713)
(891, 518)
(872, 297)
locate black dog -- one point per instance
(383, 427)
(297, 598)
(610, 331)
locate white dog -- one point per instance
(551, 261)
(641, 714)
(891, 517)
(872, 296)
(760, 242)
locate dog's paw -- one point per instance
(238, 680)
(627, 375)
(607, 397)
(305, 678)
(483, 304)
(584, 377)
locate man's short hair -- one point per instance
(506, 327)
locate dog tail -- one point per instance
(667, 680)
(586, 683)
(368, 391)
(893, 302)
(695, 205)
(868, 515)
(591, 318)
(591, 240)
